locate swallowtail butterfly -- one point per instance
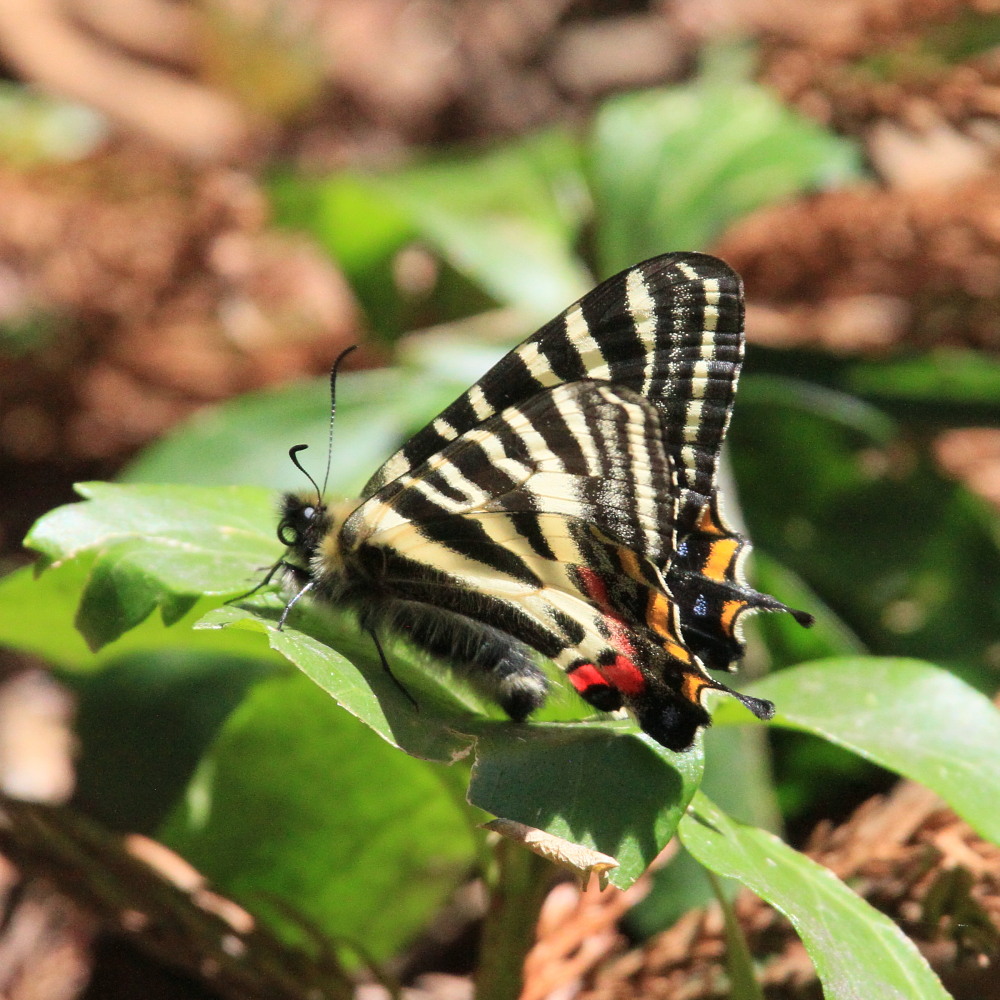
(566, 504)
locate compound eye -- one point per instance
(308, 513)
(287, 534)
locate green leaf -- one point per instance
(298, 807)
(962, 378)
(152, 546)
(832, 405)
(739, 961)
(329, 649)
(672, 167)
(37, 615)
(738, 774)
(360, 228)
(520, 771)
(143, 723)
(564, 779)
(908, 716)
(681, 885)
(508, 219)
(858, 952)
(787, 642)
(825, 501)
(356, 226)
(246, 440)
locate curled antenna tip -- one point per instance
(340, 357)
(293, 454)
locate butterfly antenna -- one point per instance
(333, 412)
(293, 454)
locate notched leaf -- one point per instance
(155, 546)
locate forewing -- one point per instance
(669, 329)
(586, 450)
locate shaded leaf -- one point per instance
(282, 816)
(564, 778)
(945, 386)
(787, 642)
(143, 723)
(887, 543)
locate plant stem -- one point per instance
(519, 885)
(739, 961)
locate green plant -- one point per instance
(262, 774)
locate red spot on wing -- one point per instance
(595, 588)
(586, 676)
(625, 675)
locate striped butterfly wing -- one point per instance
(547, 521)
(670, 329)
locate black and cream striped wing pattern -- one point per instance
(670, 329)
(548, 521)
(567, 504)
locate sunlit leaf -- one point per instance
(152, 546)
(859, 953)
(508, 219)
(908, 716)
(670, 168)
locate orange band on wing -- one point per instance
(729, 612)
(707, 523)
(693, 685)
(720, 556)
(630, 564)
(660, 618)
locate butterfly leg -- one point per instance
(388, 670)
(291, 604)
(272, 571)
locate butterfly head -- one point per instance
(304, 522)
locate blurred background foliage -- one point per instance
(204, 203)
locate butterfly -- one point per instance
(566, 505)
